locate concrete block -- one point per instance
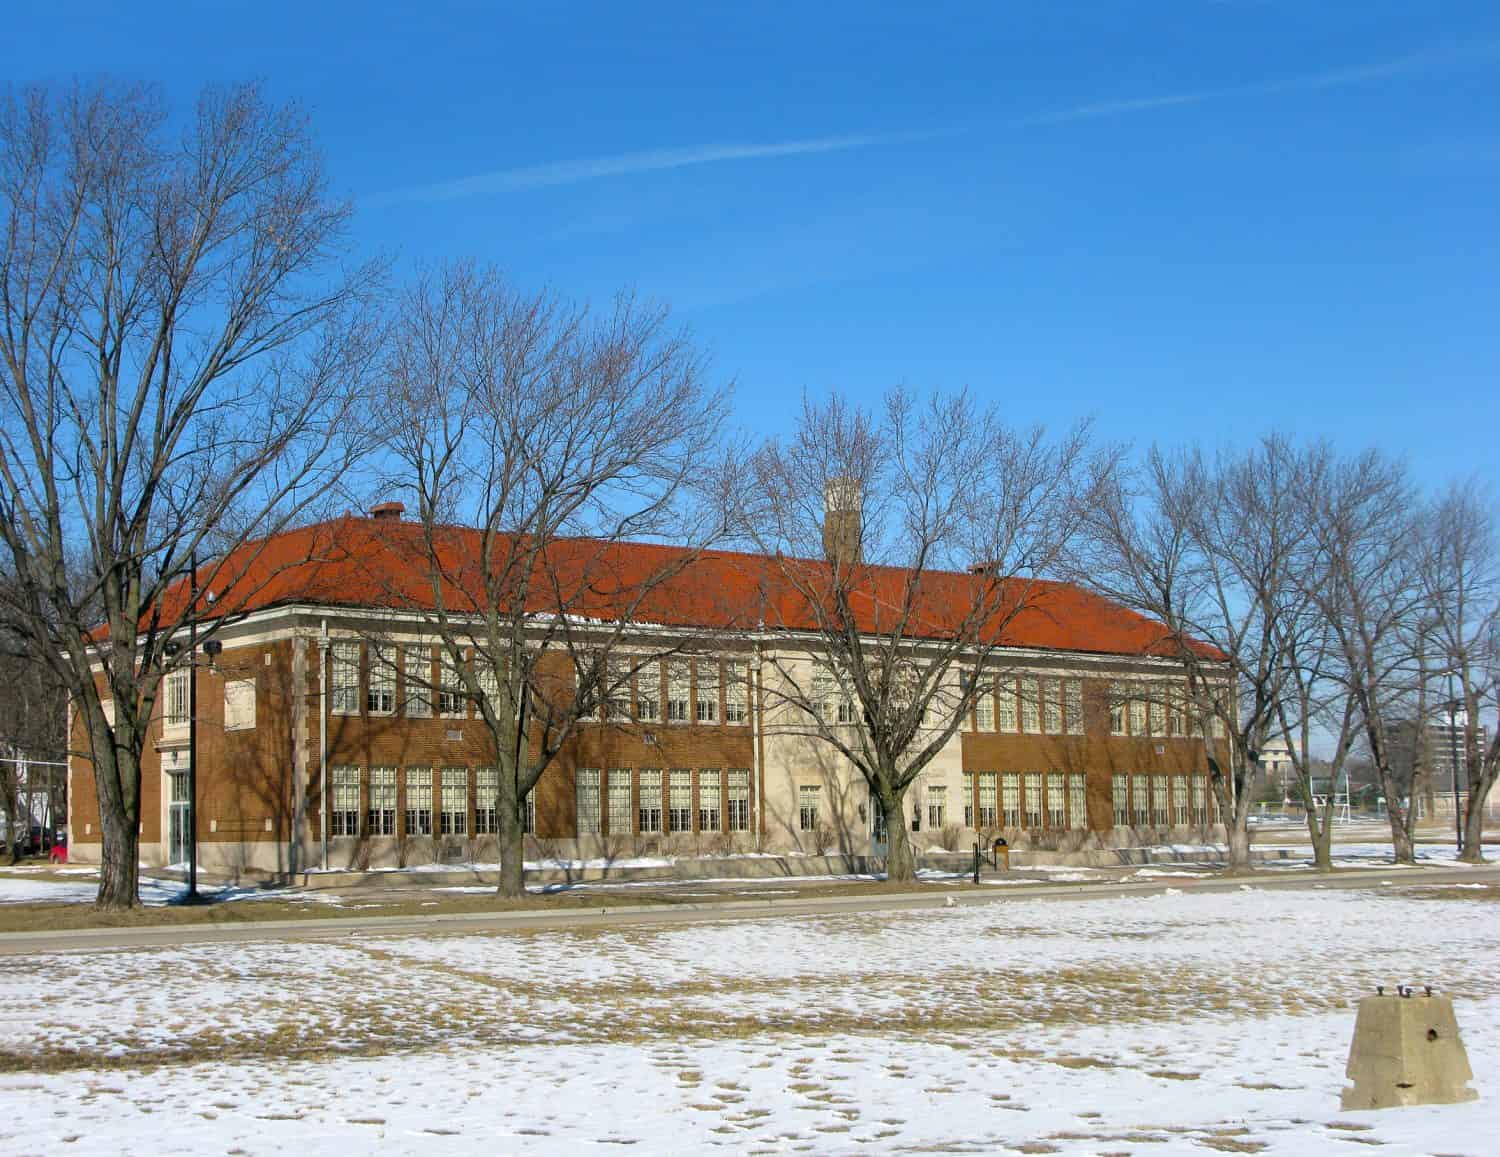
(1406, 1051)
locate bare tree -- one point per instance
(1459, 569)
(181, 358)
(906, 541)
(556, 437)
(1208, 549)
(1369, 593)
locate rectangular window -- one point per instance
(489, 682)
(453, 819)
(820, 695)
(987, 799)
(807, 806)
(1057, 811)
(586, 800)
(380, 692)
(708, 800)
(1032, 801)
(239, 704)
(1005, 696)
(1140, 801)
(648, 692)
(1052, 722)
(1116, 709)
(382, 809)
(617, 690)
(175, 699)
(1200, 814)
(1078, 801)
(1031, 706)
(528, 813)
(418, 664)
(343, 681)
(679, 800)
(1158, 709)
(1010, 798)
(708, 690)
(1159, 815)
(937, 807)
(737, 784)
(736, 692)
(343, 817)
(844, 712)
(621, 803)
(486, 800)
(1137, 717)
(451, 701)
(968, 799)
(679, 690)
(419, 801)
(1179, 801)
(984, 708)
(650, 801)
(1073, 705)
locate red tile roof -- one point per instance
(379, 563)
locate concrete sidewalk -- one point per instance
(607, 915)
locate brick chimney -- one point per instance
(388, 511)
(843, 521)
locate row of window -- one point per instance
(697, 690)
(1031, 799)
(646, 690)
(1031, 704)
(1163, 801)
(1159, 710)
(383, 806)
(646, 801)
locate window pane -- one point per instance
(648, 692)
(737, 789)
(419, 801)
(343, 679)
(586, 788)
(708, 690)
(708, 800)
(736, 692)
(418, 664)
(679, 688)
(454, 818)
(621, 802)
(650, 801)
(380, 696)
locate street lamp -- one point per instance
(1458, 826)
(212, 648)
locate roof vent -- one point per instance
(388, 511)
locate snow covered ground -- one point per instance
(1172, 1023)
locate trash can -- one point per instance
(1000, 850)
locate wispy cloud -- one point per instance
(1332, 78)
(626, 164)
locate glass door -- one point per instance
(178, 817)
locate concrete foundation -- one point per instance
(1406, 1051)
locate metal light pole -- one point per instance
(1458, 823)
(192, 892)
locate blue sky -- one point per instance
(1194, 220)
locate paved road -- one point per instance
(610, 914)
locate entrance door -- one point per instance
(178, 818)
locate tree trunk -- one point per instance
(1322, 839)
(119, 863)
(900, 860)
(1238, 839)
(117, 779)
(512, 841)
(1473, 852)
(1402, 846)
